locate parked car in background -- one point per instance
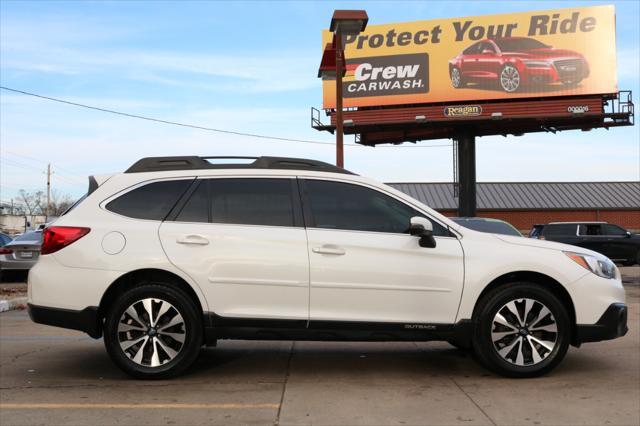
(4, 239)
(611, 240)
(21, 253)
(489, 225)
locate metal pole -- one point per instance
(339, 121)
(467, 173)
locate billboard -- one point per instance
(534, 54)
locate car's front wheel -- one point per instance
(153, 331)
(521, 330)
(456, 78)
(510, 78)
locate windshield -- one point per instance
(519, 44)
(489, 226)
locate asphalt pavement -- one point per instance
(54, 376)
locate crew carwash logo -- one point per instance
(387, 75)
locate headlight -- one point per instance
(537, 64)
(601, 266)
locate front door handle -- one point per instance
(329, 249)
(198, 240)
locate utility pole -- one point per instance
(46, 214)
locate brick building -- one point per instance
(524, 204)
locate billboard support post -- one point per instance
(339, 121)
(466, 159)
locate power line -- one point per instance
(14, 163)
(70, 173)
(193, 126)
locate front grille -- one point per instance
(570, 67)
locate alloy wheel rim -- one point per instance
(151, 332)
(510, 79)
(455, 77)
(524, 332)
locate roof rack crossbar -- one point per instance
(156, 164)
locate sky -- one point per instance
(248, 67)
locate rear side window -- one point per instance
(336, 205)
(590, 230)
(472, 50)
(152, 201)
(560, 229)
(196, 209)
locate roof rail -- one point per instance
(158, 164)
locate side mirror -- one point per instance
(627, 234)
(422, 227)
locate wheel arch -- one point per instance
(535, 278)
(133, 278)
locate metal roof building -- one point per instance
(526, 203)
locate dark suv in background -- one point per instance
(611, 240)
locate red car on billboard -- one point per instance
(514, 62)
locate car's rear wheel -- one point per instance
(153, 331)
(456, 78)
(521, 330)
(510, 78)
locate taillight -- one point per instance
(5, 250)
(55, 238)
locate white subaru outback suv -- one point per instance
(178, 252)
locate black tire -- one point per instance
(515, 362)
(188, 327)
(632, 261)
(457, 81)
(457, 345)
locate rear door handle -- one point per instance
(329, 249)
(193, 240)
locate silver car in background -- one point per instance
(21, 253)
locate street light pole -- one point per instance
(343, 23)
(339, 121)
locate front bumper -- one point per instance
(612, 324)
(85, 320)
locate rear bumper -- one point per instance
(16, 265)
(612, 324)
(85, 320)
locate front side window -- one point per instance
(560, 230)
(336, 205)
(152, 201)
(614, 230)
(252, 201)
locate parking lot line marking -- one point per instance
(133, 406)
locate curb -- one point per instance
(11, 304)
